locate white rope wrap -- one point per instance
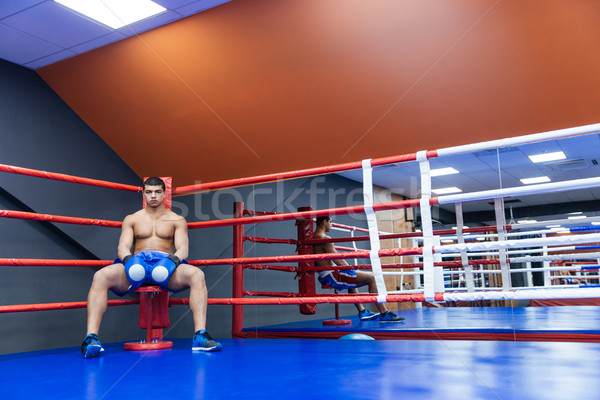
(464, 258)
(426, 226)
(373, 230)
(500, 222)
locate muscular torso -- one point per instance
(154, 233)
(321, 249)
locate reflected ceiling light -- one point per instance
(447, 190)
(545, 157)
(537, 179)
(114, 13)
(553, 226)
(443, 171)
(527, 221)
(577, 217)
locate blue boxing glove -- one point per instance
(175, 260)
(162, 270)
(135, 269)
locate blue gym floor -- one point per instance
(324, 368)
(567, 323)
(312, 369)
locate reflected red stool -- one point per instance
(337, 320)
(154, 315)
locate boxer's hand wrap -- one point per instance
(175, 260)
(127, 258)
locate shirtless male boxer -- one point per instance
(159, 240)
(349, 278)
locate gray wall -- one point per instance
(38, 130)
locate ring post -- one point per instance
(306, 279)
(237, 322)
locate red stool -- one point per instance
(337, 320)
(154, 315)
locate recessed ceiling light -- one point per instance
(114, 13)
(538, 179)
(443, 171)
(447, 190)
(545, 157)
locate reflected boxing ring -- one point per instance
(466, 256)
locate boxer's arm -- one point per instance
(330, 248)
(126, 239)
(181, 240)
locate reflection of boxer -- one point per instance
(568, 278)
(159, 240)
(349, 278)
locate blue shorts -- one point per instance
(148, 268)
(340, 280)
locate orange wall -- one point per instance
(263, 86)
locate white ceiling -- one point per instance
(36, 33)
(503, 168)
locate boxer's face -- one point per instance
(154, 195)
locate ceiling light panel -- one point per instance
(538, 179)
(114, 13)
(546, 157)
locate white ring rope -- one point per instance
(508, 244)
(536, 137)
(373, 230)
(541, 188)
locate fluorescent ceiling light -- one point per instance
(577, 217)
(538, 179)
(114, 13)
(575, 213)
(447, 190)
(443, 171)
(527, 221)
(545, 157)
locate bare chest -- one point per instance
(147, 229)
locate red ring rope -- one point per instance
(67, 178)
(393, 205)
(295, 174)
(58, 218)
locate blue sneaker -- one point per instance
(366, 315)
(204, 342)
(389, 316)
(91, 346)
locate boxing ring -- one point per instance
(466, 350)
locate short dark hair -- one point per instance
(320, 220)
(154, 181)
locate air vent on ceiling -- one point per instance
(569, 165)
(507, 201)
